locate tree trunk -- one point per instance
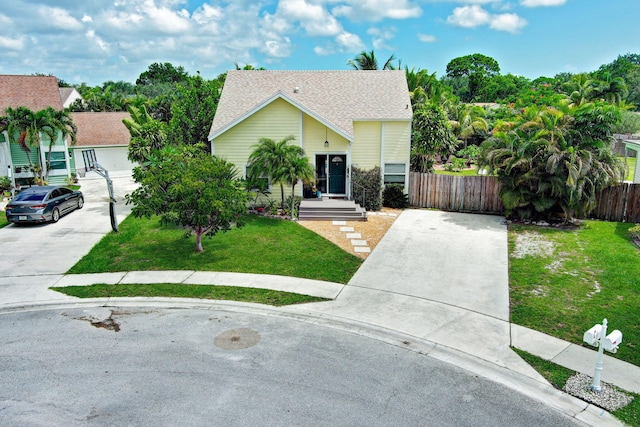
(293, 201)
(199, 233)
(282, 195)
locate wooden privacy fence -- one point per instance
(480, 194)
(618, 203)
(455, 193)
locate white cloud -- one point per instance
(475, 16)
(509, 22)
(376, 10)
(13, 44)
(426, 38)
(86, 19)
(323, 50)
(91, 35)
(349, 42)
(313, 18)
(59, 18)
(381, 36)
(276, 48)
(469, 17)
(166, 20)
(537, 3)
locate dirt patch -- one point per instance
(372, 230)
(532, 244)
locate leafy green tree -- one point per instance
(629, 123)
(368, 61)
(162, 73)
(431, 137)
(477, 68)
(191, 189)
(499, 88)
(193, 109)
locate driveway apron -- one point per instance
(439, 276)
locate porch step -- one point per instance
(331, 209)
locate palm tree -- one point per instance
(63, 125)
(29, 129)
(268, 159)
(368, 61)
(580, 89)
(296, 167)
(467, 121)
(147, 134)
(611, 89)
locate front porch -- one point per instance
(326, 209)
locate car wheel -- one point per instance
(80, 202)
(55, 215)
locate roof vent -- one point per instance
(296, 89)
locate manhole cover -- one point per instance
(237, 339)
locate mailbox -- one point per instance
(612, 341)
(592, 336)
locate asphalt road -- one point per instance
(168, 367)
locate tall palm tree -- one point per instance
(63, 126)
(368, 61)
(29, 129)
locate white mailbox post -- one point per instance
(596, 337)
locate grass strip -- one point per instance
(180, 290)
(262, 246)
(558, 375)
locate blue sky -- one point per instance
(99, 40)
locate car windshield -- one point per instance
(31, 196)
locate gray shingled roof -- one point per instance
(34, 92)
(336, 98)
(95, 129)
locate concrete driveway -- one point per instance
(53, 248)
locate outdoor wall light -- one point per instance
(326, 139)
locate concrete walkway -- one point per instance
(437, 282)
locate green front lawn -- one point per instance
(178, 290)
(572, 279)
(263, 245)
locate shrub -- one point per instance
(393, 196)
(634, 232)
(456, 165)
(371, 182)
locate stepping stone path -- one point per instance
(359, 245)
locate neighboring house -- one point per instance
(35, 93)
(633, 144)
(69, 95)
(340, 118)
(107, 135)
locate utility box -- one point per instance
(592, 336)
(612, 341)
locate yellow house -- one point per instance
(340, 118)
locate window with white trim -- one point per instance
(395, 173)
